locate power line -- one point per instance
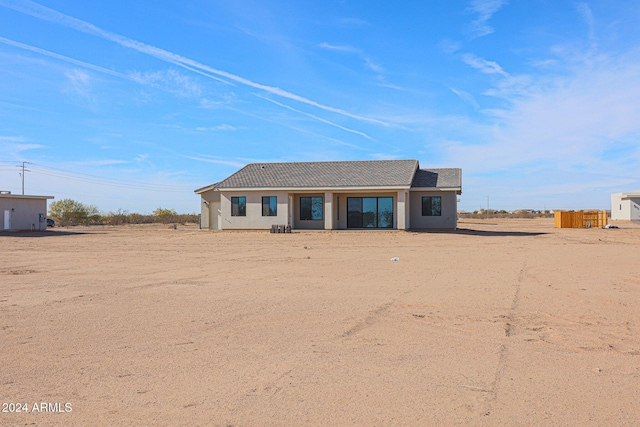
(111, 180)
(139, 186)
(95, 179)
(114, 182)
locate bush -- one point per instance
(71, 212)
(165, 216)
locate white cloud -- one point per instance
(485, 10)
(103, 162)
(376, 68)
(79, 84)
(352, 22)
(222, 127)
(339, 48)
(449, 46)
(482, 65)
(17, 148)
(215, 160)
(368, 62)
(142, 158)
(12, 146)
(563, 121)
(587, 15)
(170, 80)
(12, 139)
(223, 100)
(466, 97)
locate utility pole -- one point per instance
(22, 174)
(487, 205)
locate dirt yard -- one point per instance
(503, 322)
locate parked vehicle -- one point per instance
(50, 222)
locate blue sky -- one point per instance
(133, 105)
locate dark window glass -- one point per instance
(385, 212)
(354, 212)
(269, 206)
(432, 206)
(239, 206)
(369, 212)
(311, 208)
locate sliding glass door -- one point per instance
(354, 212)
(369, 212)
(385, 212)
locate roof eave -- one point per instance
(25, 196)
(456, 189)
(205, 189)
(331, 189)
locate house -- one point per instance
(374, 194)
(20, 212)
(625, 206)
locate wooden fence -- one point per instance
(580, 219)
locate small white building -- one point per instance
(625, 206)
(22, 212)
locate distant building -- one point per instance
(22, 212)
(374, 194)
(625, 206)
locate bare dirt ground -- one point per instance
(503, 322)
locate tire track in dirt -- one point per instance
(376, 314)
(504, 347)
(370, 320)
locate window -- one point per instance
(311, 208)
(269, 206)
(432, 206)
(239, 206)
(369, 212)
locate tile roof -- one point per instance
(367, 173)
(363, 173)
(439, 178)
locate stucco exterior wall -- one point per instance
(210, 210)
(24, 213)
(254, 219)
(625, 209)
(407, 210)
(619, 207)
(449, 217)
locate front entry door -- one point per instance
(7, 220)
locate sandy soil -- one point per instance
(504, 322)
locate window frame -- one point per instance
(430, 212)
(310, 216)
(269, 210)
(357, 215)
(240, 209)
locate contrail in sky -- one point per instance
(41, 12)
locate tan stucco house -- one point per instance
(374, 194)
(22, 212)
(625, 206)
